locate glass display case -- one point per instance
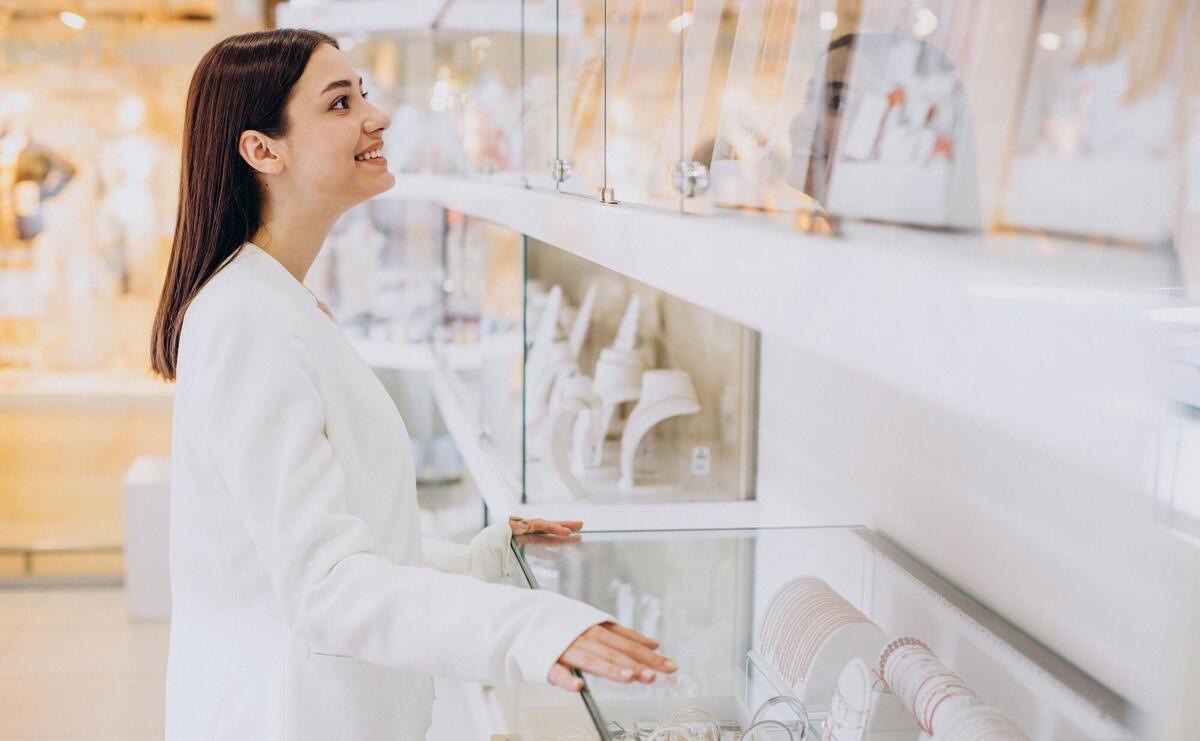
(944, 114)
(479, 348)
(624, 403)
(782, 633)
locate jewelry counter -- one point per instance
(802, 633)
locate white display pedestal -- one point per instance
(147, 527)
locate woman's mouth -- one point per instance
(374, 157)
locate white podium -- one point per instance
(147, 487)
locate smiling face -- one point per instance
(331, 130)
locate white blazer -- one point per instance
(306, 605)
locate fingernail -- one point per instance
(626, 673)
(671, 665)
(577, 684)
(647, 675)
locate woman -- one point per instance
(306, 604)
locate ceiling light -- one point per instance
(72, 20)
(1050, 41)
(925, 24)
(680, 22)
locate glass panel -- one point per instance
(776, 48)
(400, 72)
(700, 594)
(478, 79)
(622, 404)
(481, 338)
(642, 115)
(790, 625)
(1096, 150)
(380, 271)
(1187, 235)
(708, 48)
(539, 143)
(580, 129)
(860, 108)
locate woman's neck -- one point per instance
(293, 238)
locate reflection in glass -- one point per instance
(642, 115)
(1096, 148)
(581, 95)
(855, 108)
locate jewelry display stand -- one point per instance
(932, 692)
(665, 394)
(546, 382)
(982, 723)
(547, 328)
(618, 373)
(583, 320)
(863, 709)
(800, 666)
(556, 439)
(809, 634)
(618, 381)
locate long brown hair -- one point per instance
(244, 82)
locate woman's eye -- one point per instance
(342, 99)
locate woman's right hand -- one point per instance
(611, 651)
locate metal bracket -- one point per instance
(560, 170)
(689, 178)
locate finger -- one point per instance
(546, 526)
(574, 525)
(642, 671)
(631, 634)
(556, 528)
(636, 651)
(550, 540)
(578, 657)
(561, 676)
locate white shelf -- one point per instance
(501, 490)
(771, 279)
(418, 356)
(655, 516)
(47, 391)
(987, 325)
(496, 486)
(421, 16)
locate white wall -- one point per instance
(1035, 497)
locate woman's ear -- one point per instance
(257, 149)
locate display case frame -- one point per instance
(1051, 699)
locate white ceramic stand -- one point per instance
(556, 440)
(618, 377)
(618, 380)
(665, 394)
(583, 320)
(546, 381)
(864, 710)
(855, 641)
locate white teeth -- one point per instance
(373, 154)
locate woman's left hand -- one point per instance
(563, 528)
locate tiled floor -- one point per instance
(73, 666)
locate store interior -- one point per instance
(862, 335)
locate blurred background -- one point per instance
(935, 262)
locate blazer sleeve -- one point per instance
(265, 427)
(487, 557)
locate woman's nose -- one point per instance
(378, 121)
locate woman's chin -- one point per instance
(386, 181)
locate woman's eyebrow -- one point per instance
(339, 83)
